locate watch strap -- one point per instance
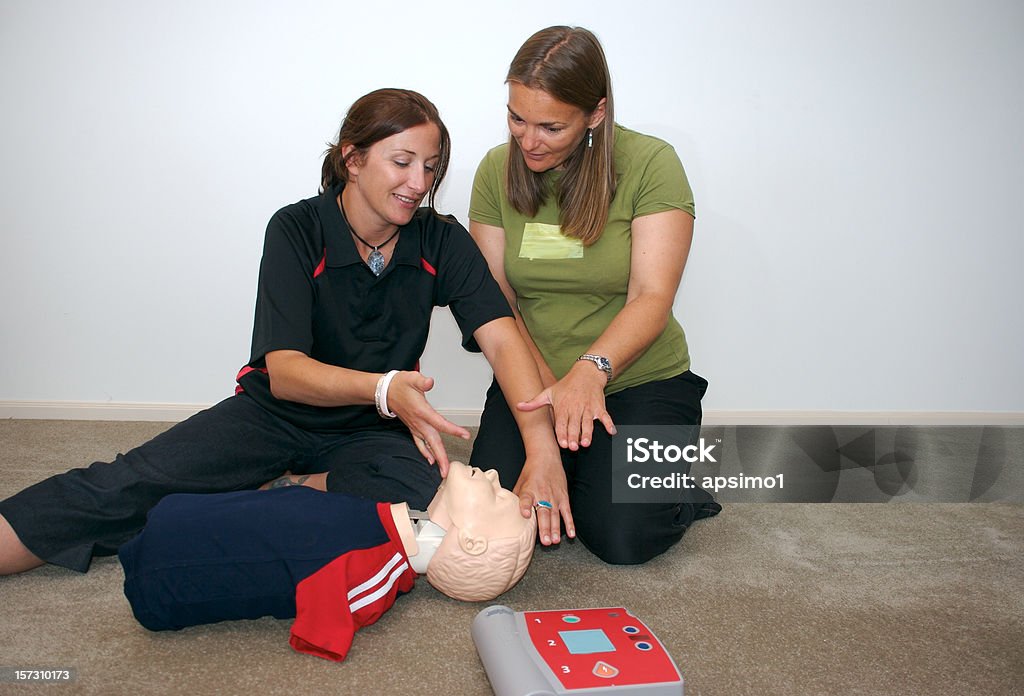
(603, 363)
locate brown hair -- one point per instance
(376, 116)
(569, 64)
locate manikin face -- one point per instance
(473, 501)
(387, 185)
(547, 130)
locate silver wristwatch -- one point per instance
(603, 363)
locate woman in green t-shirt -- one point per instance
(586, 226)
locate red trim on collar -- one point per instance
(427, 267)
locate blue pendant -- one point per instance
(376, 262)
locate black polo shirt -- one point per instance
(317, 296)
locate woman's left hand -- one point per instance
(576, 401)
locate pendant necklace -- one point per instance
(376, 259)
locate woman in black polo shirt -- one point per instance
(348, 281)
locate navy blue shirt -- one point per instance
(334, 562)
(317, 296)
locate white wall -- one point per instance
(857, 169)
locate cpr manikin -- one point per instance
(332, 561)
(475, 544)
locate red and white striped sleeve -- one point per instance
(350, 592)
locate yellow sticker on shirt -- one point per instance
(541, 241)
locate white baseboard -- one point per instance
(109, 411)
(77, 410)
(924, 418)
(171, 413)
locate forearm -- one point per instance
(637, 325)
(517, 374)
(491, 241)
(547, 377)
(297, 377)
(660, 248)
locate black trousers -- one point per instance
(235, 445)
(621, 533)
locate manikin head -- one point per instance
(488, 543)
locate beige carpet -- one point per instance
(764, 599)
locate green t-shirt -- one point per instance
(568, 294)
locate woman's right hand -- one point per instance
(407, 398)
(546, 482)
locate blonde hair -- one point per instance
(481, 578)
(569, 64)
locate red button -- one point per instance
(604, 670)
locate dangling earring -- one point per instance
(590, 137)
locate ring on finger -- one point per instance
(543, 504)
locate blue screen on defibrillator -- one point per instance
(585, 642)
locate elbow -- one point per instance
(663, 318)
(275, 389)
(277, 375)
(656, 309)
(281, 387)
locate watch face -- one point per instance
(603, 363)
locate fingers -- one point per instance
(539, 401)
(570, 526)
(575, 408)
(408, 394)
(446, 426)
(586, 430)
(564, 432)
(528, 503)
(570, 426)
(549, 521)
(439, 422)
(436, 447)
(587, 427)
(542, 491)
(433, 450)
(608, 423)
(575, 429)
